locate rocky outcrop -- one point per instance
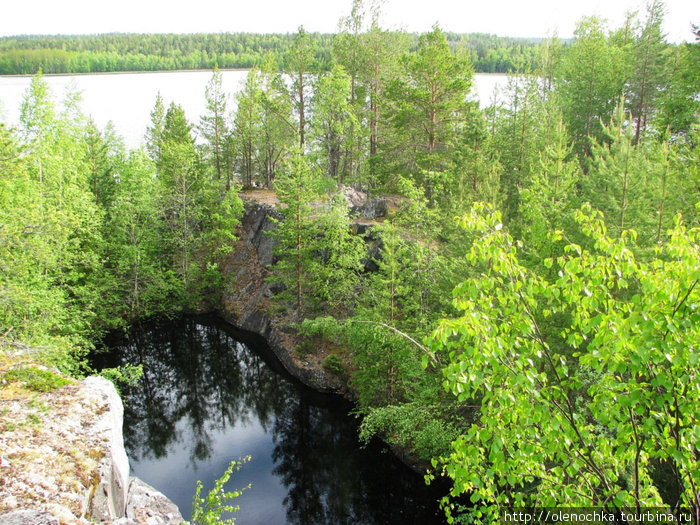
(109, 496)
(146, 505)
(361, 206)
(247, 302)
(70, 465)
(374, 209)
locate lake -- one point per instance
(126, 99)
(210, 394)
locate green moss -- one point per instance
(304, 348)
(35, 379)
(334, 364)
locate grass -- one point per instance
(34, 379)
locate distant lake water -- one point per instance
(126, 99)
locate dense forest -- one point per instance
(531, 324)
(26, 55)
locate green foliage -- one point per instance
(145, 285)
(333, 363)
(569, 361)
(92, 238)
(294, 234)
(35, 379)
(51, 284)
(679, 104)
(336, 273)
(426, 106)
(618, 183)
(414, 427)
(521, 127)
(25, 55)
(122, 375)
(575, 418)
(263, 129)
(247, 131)
(299, 64)
(548, 203)
(334, 123)
(590, 80)
(649, 76)
(386, 364)
(214, 129)
(208, 510)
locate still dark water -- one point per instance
(207, 397)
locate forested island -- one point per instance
(525, 317)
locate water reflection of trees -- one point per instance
(330, 480)
(200, 378)
(196, 376)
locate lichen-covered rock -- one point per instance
(148, 506)
(374, 209)
(109, 498)
(354, 197)
(28, 517)
(63, 458)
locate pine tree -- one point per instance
(133, 232)
(299, 64)
(214, 129)
(648, 79)
(428, 106)
(334, 123)
(154, 133)
(247, 126)
(590, 81)
(548, 203)
(277, 131)
(617, 183)
(295, 232)
(182, 183)
(336, 273)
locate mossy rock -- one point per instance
(334, 364)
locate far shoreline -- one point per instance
(486, 73)
(124, 72)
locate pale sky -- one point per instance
(520, 18)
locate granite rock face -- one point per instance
(148, 506)
(118, 495)
(247, 305)
(28, 517)
(71, 467)
(109, 498)
(373, 209)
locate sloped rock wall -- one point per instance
(247, 304)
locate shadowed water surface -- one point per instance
(207, 397)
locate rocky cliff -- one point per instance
(247, 304)
(62, 460)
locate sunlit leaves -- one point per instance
(584, 412)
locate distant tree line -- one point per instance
(26, 55)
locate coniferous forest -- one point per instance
(25, 55)
(531, 324)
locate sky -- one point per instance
(518, 18)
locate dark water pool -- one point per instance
(207, 397)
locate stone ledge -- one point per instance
(63, 460)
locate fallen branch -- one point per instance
(427, 352)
